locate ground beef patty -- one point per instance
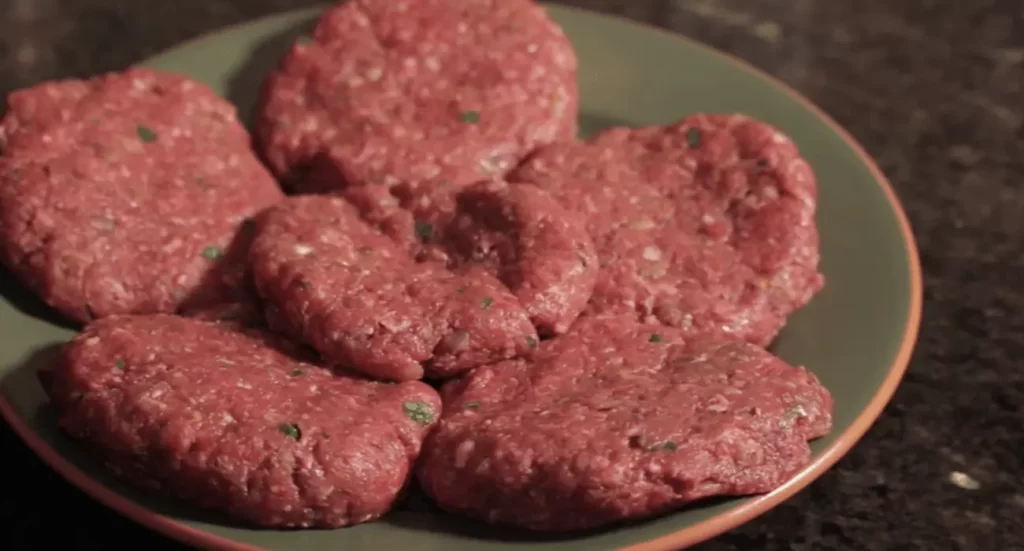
(618, 420)
(123, 193)
(237, 422)
(399, 92)
(706, 225)
(520, 234)
(335, 282)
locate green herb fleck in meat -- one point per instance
(531, 342)
(656, 338)
(486, 302)
(120, 364)
(762, 163)
(291, 430)
(472, 405)
(297, 373)
(421, 412)
(639, 442)
(212, 253)
(424, 230)
(460, 290)
(145, 133)
(666, 446)
(470, 117)
(693, 138)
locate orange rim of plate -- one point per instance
(686, 537)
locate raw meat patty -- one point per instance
(333, 281)
(401, 92)
(706, 225)
(618, 420)
(519, 234)
(123, 193)
(236, 421)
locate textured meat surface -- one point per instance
(124, 193)
(335, 282)
(538, 249)
(520, 234)
(618, 420)
(236, 422)
(401, 92)
(706, 225)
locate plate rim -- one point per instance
(754, 507)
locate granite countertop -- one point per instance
(932, 88)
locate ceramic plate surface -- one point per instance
(857, 335)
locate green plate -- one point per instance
(857, 335)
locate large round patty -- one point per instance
(617, 420)
(238, 422)
(123, 193)
(706, 225)
(332, 280)
(520, 234)
(398, 92)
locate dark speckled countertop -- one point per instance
(934, 89)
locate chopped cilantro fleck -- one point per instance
(486, 302)
(460, 290)
(120, 364)
(145, 133)
(693, 138)
(470, 117)
(638, 441)
(297, 373)
(668, 446)
(472, 405)
(212, 253)
(291, 430)
(656, 338)
(531, 342)
(424, 230)
(421, 412)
